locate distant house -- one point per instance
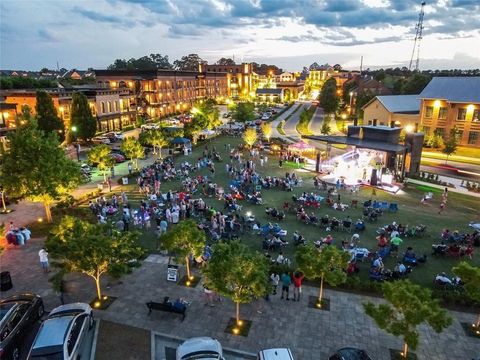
(397, 110)
(75, 74)
(367, 84)
(448, 102)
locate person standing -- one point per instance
(275, 279)
(43, 255)
(130, 168)
(442, 206)
(286, 282)
(297, 285)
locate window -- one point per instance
(426, 130)
(428, 111)
(109, 106)
(472, 137)
(442, 113)
(475, 116)
(462, 114)
(103, 107)
(439, 131)
(75, 333)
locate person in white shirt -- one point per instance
(443, 279)
(43, 255)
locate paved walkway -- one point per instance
(290, 126)
(316, 123)
(310, 333)
(281, 117)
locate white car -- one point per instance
(101, 140)
(275, 354)
(204, 348)
(62, 334)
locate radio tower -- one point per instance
(418, 38)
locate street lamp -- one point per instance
(351, 97)
(77, 145)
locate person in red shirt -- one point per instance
(297, 279)
(382, 241)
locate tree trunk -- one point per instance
(97, 283)
(136, 163)
(320, 295)
(187, 261)
(405, 350)
(104, 176)
(237, 312)
(160, 152)
(3, 202)
(48, 212)
(446, 159)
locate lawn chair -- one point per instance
(385, 252)
(393, 207)
(384, 205)
(347, 226)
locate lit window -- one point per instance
(462, 114)
(103, 107)
(428, 111)
(109, 106)
(472, 137)
(475, 116)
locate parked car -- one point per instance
(62, 334)
(117, 157)
(275, 354)
(265, 117)
(119, 151)
(17, 314)
(85, 169)
(101, 140)
(204, 348)
(350, 353)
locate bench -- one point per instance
(165, 307)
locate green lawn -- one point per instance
(460, 211)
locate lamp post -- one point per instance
(351, 98)
(77, 145)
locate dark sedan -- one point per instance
(349, 353)
(17, 314)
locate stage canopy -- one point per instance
(360, 143)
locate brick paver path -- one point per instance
(311, 334)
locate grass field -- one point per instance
(461, 209)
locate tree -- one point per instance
(154, 61)
(326, 128)
(361, 99)
(133, 149)
(92, 249)
(437, 141)
(244, 111)
(409, 305)
(470, 276)
(266, 128)
(225, 61)
(157, 139)
(81, 117)
(250, 136)
(236, 272)
(184, 240)
(328, 96)
(415, 83)
(189, 62)
(451, 144)
(205, 116)
(36, 167)
(26, 114)
(47, 118)
(328, 264)
(102, 156)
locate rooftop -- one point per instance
(403, 104)
(453, 89)
(267, 91)
(360, 143)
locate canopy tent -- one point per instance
(206, 133)
(180, 141)
(300, 146)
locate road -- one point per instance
(290, 126)
(317, 120)
(281, 117)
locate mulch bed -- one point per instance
(191, 283)
(243, 330)
(103, 303)
(313, 303)
(117, 341)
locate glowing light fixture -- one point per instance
(470, 107)
(409, 128)
(436, 103)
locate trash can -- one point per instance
(5, 281)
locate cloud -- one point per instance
(47, 35)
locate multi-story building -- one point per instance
(159, 93)
(113, 108)
(448, 102)
(239, 78)
(399, 110)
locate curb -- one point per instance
(94, 342)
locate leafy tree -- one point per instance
(328, 264)
(470, 276)
(250, 136)
(102, 156)
(409, 305)
(26, 114)
(415, 83)
(451, 144)
(157, 139)
(236, 272)
(133, 149)
(36, 167)
(266, 128)
(361, 100)
(244, 111)
(25, 82)
(205, 116)
(47, 118)
(328, 96)
(184, 240)
(380, 75)
(225, 61)
(154, 61)
(437, 141)
(326, 128)
(81, 117)
(189, 62)
(92, 249)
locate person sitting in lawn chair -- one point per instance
(439, 249)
